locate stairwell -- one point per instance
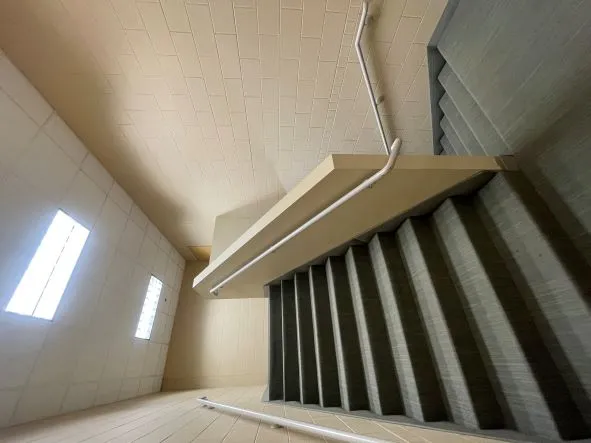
(451, 317)
(477, 314)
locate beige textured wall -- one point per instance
(216, 342)
(88, 354)
(227, 230)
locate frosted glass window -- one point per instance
(144, 327)
(40, 290)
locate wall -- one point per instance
(227, 229)
(216, 342)
(87, 355)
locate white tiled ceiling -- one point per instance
(201, 107)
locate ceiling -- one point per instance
(203, 107)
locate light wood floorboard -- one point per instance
(177, 417)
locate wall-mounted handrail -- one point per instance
(372, 97)
(361, 187)
(308, 428)
(392, 154)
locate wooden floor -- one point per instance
(177, 417)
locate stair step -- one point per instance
(453, 139)
(446, 145)
(466, 36)
(419, 384)
(348, 350)
(469, 394)
(519, 60)
(275, 343)
(535, 393)
(380, 373)
(326, 359)
(306, 347)
(472, 114)
(549, 271)
(291, 366)
(460, 127)
(558, 169)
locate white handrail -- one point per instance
(308, 428)
(392, 154)
(372, 97)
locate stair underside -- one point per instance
(442, 320)
(477, 311)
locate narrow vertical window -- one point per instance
(144, 327)
(40, 290)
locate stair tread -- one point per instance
(352, 385)
(291, 367)
(326, 360)
(468, 33)
(549, 271)
(483, 130)
(419, 384)
(453, 138)
(519, 61)
(470, 396)
(380, 374)
(306, 347)
(275, 343)
(446, 145)
(515, 355)
(461, 128)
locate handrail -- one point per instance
(372, 97)
(361, 187)
(392, 154)
(308, 428)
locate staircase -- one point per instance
(477, 314)
(466, 129)
(503, 72)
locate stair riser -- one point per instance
(328, 376)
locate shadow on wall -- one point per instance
(216, 342)
(377, 69)
(43, 39)
(231, 225)
(53, 60)
(392, 95)
(557, 162)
